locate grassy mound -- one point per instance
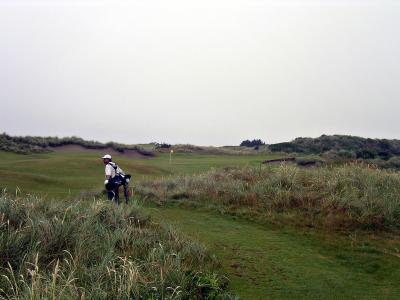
(36, 144)
(345, 197)
(95, 250)
(360, 147)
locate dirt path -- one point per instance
(266, 263)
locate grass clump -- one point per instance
(309, 161)
(343, 197)
(96, 250)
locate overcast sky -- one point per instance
(209, 72)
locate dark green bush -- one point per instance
(252, 143)
(162, 146)
(309, 161)
(393, 163)
(367, 153)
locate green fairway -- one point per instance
(270, 263)
(59, 174)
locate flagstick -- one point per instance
(170, 156)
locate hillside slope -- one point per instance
(35, 144)
(361, 147)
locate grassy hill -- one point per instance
(36, 144)
(379, 147)
(339, 149)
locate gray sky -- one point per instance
(209, 72)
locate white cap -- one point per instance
(106, 156)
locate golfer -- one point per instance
(114, 178)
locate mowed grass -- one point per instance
(60, 174)
(270, 262)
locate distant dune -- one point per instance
(128, 153)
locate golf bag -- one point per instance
(119, 179)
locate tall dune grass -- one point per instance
(96, 250)
(349, 196)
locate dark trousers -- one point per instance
(114, 194)
(126, 192)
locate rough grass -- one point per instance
(95, 250)
(345, 197)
